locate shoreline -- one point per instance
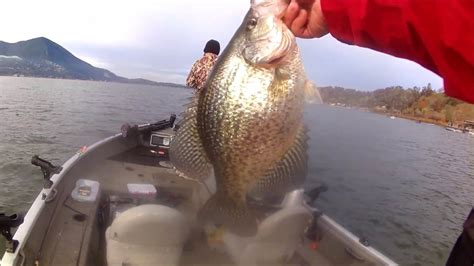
(420, 119)
(158, 84)
(408, 117)
(424, 120)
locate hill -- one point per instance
(41, 57)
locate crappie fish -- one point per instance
(246, 123)
(289, 173)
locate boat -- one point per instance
(453, 129)
(392, 117)
(120, 202)
(471, 132)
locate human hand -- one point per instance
(305, 19)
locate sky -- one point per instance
(161, 39)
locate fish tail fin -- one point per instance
(311, 93)
(234, 216)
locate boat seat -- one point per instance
(146, 235)
(277, 238)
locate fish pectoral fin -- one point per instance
(311, 93)
(224, 211)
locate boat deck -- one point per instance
(69, 232)
(178, 192)
(115, 175)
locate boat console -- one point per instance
(153, 139)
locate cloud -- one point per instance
(330, 62)
(161, 39)
(137, 24)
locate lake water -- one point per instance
(407, 187)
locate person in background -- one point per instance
(201, 68)
(438, 35)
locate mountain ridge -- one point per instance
(41, 57)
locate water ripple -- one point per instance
(406, 186)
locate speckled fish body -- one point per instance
(248, 117)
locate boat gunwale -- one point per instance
(352, 241)
(24, 230)
(34, 212)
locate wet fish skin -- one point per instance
(246, 123)
(289, 173)
(249, 114)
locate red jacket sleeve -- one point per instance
(438, 34)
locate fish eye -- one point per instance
(251, 23)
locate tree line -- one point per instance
(416, 102)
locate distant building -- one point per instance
(468, 124)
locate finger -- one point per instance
(300, 23)
(291, 13)
(305, 2)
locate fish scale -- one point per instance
(248, 121)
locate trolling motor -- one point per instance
(130, 131)
(47, 168)
(6, 224)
